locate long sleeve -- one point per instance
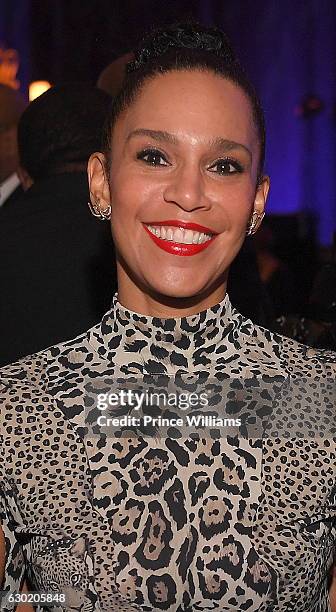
(14, 569)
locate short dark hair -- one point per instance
(62, 128)
(185, 46)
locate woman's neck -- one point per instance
(146, 301)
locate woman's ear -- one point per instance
(261, 194)
(258, 212)
(98, 182)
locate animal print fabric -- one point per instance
(147, 524)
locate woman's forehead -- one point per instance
(196, 105)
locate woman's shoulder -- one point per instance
(29, 394)
(27, 371)
(305, 358)
(36, 370)
(304, 401)
(295, 358)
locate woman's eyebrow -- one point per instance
(162, 136)
(159, 135)
(228, 145)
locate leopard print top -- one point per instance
(131, 522)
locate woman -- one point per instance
(165, 522)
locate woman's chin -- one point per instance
(178, 289)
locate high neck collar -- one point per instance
(127, 335)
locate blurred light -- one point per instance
(9, 65)
(37, 88)
(310, 106)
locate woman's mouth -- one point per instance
(178, 240)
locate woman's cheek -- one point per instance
(134, 194)
(237, 206)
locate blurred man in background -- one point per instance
(57, 264)
(12, 105)
(111, 78)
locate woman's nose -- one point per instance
(186, 189)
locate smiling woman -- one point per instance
(186, 136)
(170, 520)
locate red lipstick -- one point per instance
(176, 248)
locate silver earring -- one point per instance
(102, 215)
(255, 221)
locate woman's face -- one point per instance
(186, 150)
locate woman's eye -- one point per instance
(153, 157)
(226, 166)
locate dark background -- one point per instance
(288, 49)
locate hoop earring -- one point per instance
(102, 215)
(255, 222)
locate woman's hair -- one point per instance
(184, 46)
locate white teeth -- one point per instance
(180, 235)
(188, 236)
